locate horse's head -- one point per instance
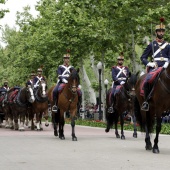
(42, 89)
(30, 94)
(130, 84)
(74, 80)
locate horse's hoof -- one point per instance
(74, 139)
(122, 137)
(107, 130)
(47, 125)
(41, 128)
(38, 129)
(7, 126)
(55, 133)
(148, 147)
(117, 136)
(21, 130)
(154, 150)
(135, 135)
(62, 137)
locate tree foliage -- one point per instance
(102, 27)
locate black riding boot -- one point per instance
(55, 108)
(111, 108)
(145, 104)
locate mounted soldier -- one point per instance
(159, 50)
(31, 77)
(63, 73)
(37, 79)
(119, 76)
(3, 92)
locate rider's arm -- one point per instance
(147, 52)
(114, 74)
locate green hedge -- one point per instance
(127, 126)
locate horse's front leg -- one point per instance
(73, 118)
(22, 120)
(122, 124)
(158, 129)
(134, 126)
(55, 121)
(61, 125)
(16, 126)
(38, 121)
(147, 139)
(116, 122)
(45, 115)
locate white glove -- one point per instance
(151, 64)
(64, 81)
(67, 75)
(35, 86)
(122, 82)
(166, 64)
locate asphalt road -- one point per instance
(94, 150)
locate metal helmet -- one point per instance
(120, 57)
(66, 56)
(39, 70)
(32, 74)
(160, 26)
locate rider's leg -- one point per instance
(145, 104)
(55, 99)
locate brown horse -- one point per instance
(18, 105)
(124, 103)
(67, 101)
(40, 106)
(158, 103)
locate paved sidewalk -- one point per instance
(94, 150)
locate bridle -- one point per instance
(40, 93)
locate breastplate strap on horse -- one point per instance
(159, 49)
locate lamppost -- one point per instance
(106, 82)
(99, 67)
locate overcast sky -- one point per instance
(14, 6)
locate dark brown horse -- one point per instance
(18, 105)
(67, 101)
(158, 103)
(124, 103)
(40, 106)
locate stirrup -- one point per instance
(54, 108)
(145, 106)
(110, 110)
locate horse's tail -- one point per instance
(110, 118)
(137, 113)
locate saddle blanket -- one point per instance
(150, 77)
(2, 98)
(12, 96)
